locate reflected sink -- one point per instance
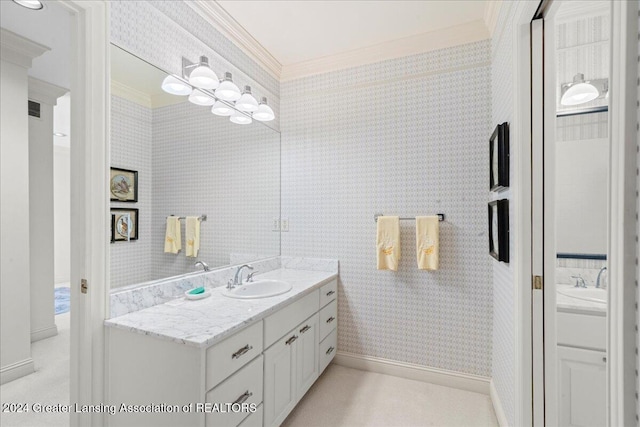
(258, 289)
(586, 294)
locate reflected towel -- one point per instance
(427, 242)
(388, 242)
(192, 233)
(172, 238)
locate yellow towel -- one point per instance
(427, 242)
(388, 242)
(172, 238)
(192, 232)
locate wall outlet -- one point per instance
(285, 224)
(276, 224)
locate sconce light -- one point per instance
(264, 112)
(228, 91)
(30, 4)
(240, 119)
(198, 97)
(580, 91)
(221, 109)
(200, 75)
(175, 86)
(247, 102)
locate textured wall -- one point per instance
(638, 238)
(131, 146)
(408, 137)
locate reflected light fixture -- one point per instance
(228, 91)
(240, 119)
(30, 4)
(221, 109)
(200, 98)
(247, 102)
(175, 86)
(202, 75)
(264, 113)
(580, 91)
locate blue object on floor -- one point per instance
(62, 297)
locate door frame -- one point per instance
(89, 203)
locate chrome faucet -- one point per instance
(580, 283)
(598, 284)
(237, 279)
(204, 265)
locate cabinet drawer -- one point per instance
(225, 358)
(279, 323)
(244, 387)
(328, 319)
(328, 292)
(328, 349)
(253, 420)
(582, 330)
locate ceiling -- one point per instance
(295, 31)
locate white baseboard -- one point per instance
(43, 333)
(497, 405)
(16, 370)
(410, 371)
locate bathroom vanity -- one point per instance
(223, 361)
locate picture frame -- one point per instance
(123, 230)
(499, 230)
(499, 158)
(123, 185)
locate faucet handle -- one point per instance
(250, 276)
(580, 283)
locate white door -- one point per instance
(279, 379)
(307, 356)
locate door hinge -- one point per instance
(83, 286)
(537, 282)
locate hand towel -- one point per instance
(172, 238)
(388, 242)
(427, 242)
(192, 232)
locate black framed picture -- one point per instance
(499, 155)
(124, 224)
(123, 185)
(499, 229)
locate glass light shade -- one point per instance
(222, 109)
(30, 4)
(240, 119)
(264, 113)
(579, 93)
(175, 86)
(228, 91)
(247, 102)
(204, 77)
(200, 98)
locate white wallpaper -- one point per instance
(408, 137)
(638, 238)
(131, 149)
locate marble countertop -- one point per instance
(204, 322)
(575, 305)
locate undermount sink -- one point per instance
(258, 289)
(586, 294)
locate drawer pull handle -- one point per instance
(331, 319)
(291, 340)
(242, 351)
(331, 293)
(305, 329)
(247, 394)
(330, 350)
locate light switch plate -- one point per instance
(285, 224)
(276, 224)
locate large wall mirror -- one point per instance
(189, 162)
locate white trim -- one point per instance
(18, 50)
(16, 370)
(459, 380)
(622, 175)
(138, 97)
(43, 333)
(45, 92)
(491, 13)
(222, 21)
(448, 37)
(497, 405)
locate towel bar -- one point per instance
(201, 217)
(440, 217)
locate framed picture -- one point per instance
(123, 185)
(499, 155)
(499, 229)
(124, 224)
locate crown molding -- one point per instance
(448, 37)
(131, 94)
(44, 92)
(222, 21)
(491, 13)
(19, 50)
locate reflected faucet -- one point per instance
(598, 284)
(237, 279)
(204, 265)
(580, 283)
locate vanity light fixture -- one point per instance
(202, 75)
(264, 113)
(175, 86)
(580, 91)
(221, 109)
(200, 98)
(240, 119)
(247, 102)
(228, 91)
(30, 4)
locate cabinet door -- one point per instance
(582, 382)
(279, 379)
(307, 355)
